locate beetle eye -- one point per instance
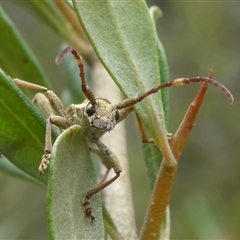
(90, 111)
(117, 116)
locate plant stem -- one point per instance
(118, 196)
(161, 192)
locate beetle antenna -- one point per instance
(85, 88)
(179, 81)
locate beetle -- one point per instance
(95, 115)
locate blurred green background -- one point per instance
(205, 201)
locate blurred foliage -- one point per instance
(197, 36)
(206, 190)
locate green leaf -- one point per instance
(123, 37)
(152, 155)
(7, 167)
(71, 175)
(153, 159)
(22, 129)
(16, 58)
(49, 13)
(156, 13)
(109, 225)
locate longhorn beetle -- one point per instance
(95, 115)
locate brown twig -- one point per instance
(72, 18)
(81, 42)
(161, 192)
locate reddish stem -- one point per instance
(163, 186)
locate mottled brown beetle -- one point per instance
(95, 115)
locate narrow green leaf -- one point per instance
(153, 159)
(156, 13)
(7, 167)
(16, 58)
(152, 155)
(109, 225)
(123, 36)
(49, 13)
(22, 129)
(71, 175)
